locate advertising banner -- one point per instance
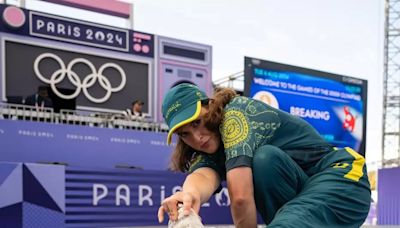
(24, 141)
(33, 195)
(388, 209)
(101, 198)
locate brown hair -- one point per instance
(183, 154)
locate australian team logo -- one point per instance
(66, 71)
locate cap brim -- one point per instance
(185, 116)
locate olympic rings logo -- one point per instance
(87, 82)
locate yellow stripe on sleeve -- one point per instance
(356, 171)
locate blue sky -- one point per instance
(338, 36)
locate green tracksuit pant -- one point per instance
(336, 195)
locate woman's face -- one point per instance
(197, 136)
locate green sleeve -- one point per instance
(215, 162)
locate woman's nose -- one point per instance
(198, 137)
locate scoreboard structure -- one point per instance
(94, 67)
(179, 62)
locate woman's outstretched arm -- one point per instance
(197, 189)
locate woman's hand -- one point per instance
(197, 189)
(170, 205)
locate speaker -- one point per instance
(181, 61)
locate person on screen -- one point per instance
(40, 99)
(274, 163)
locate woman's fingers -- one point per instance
(187, 203)
(170, 206)
(160, 214)
(196, 206)
(173, 211)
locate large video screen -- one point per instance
(334, 104)
(96, 80)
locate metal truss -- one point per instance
(391, 90)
